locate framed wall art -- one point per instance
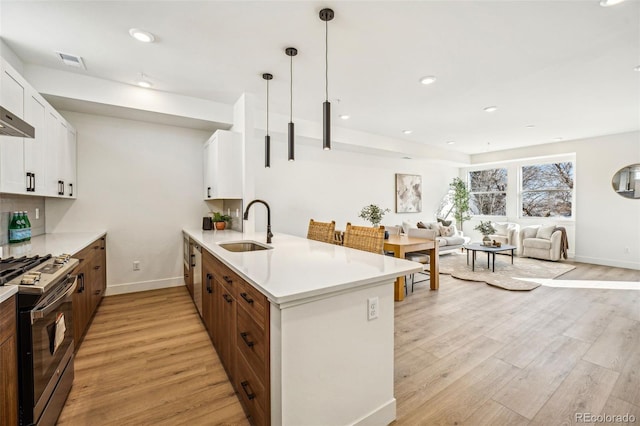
(408, 193)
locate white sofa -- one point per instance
(506, 233)
(541, 242)
(447, 241)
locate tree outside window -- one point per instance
(547, 190)
(488, 190)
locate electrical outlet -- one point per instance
(37, 213)
(136, 265)
(372, 308)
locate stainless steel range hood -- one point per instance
(10, 125)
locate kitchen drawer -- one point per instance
(87, 254)
(254, 302)
(253, 342)
(252, 392)
(227, 277)
(8, 318)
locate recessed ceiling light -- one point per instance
(607, 3)
(428, 79)
(491, 108)
(636, 68)
(141, 35)
(557, 139)
(406, 158)
(530, 126)
(450, 142)
(345, 116)
(407, 132)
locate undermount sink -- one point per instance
(241, 246)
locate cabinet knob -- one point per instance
(246, 340)
(247, 298)
(247, 390)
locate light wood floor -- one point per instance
(466, 354)
(147, 360)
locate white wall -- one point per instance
(142, 183)
(336, 185)
(606, 224)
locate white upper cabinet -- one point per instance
(223, 166)
(12, 94)
(35, 114)
(46, 164)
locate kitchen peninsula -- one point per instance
(329, 357)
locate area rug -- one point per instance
(507, 276)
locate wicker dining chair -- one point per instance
(364, 238)
(321, 231)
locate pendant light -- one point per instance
(267, 138)
(326, 15)
(291, 52)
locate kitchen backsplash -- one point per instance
(231, 207)
(10, 203)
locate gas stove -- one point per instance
(36, 274)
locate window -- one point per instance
(547, 190)
(488, 192)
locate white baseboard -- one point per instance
(383, 415)
(143, 286)
(616, 263)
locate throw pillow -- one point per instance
(501, 228)
(407, 225)
(421, 225)
(447, 231)
(444, 222)
(529, 232)
(545, 232)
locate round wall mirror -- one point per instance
(626, 181)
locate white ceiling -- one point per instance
(566, 67)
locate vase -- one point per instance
(486, 240)
(221, 225)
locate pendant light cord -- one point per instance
(291, 93)
(326, 59)
(267, 107)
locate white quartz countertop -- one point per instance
(7, 291)
(297, 268)
(55, 244)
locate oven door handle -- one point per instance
(46, 310)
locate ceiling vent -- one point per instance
(71, 60)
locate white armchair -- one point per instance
(506, 233)
(541, 242)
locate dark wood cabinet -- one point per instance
(236, 316)
(8, 363)
(92, 283)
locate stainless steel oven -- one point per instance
(45, 333)
(46, 355)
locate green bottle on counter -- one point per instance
(27, 227)
(15, 228)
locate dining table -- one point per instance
(402, 244)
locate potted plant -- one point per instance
(460, 201)
(373, 214)
(486, 229)
(220, 220)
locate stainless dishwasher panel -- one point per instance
(196, 268)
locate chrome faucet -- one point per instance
(246, 217)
